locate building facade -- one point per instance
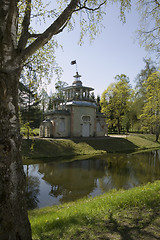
(76, 115)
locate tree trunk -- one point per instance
(14, 223)
(157, 132)
(118, 126)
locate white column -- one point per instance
(81, 93)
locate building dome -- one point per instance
(77, 83)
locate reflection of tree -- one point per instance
(126, 171)
(32, 190)
(72, 180)
(147, 166)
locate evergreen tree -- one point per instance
(29, 101)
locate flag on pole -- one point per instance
(73, 62)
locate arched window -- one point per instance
(98, 127)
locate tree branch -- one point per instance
(157, 2)
(60, 30)
(152, 11)
(25, 25)
(88, 8)
(54, 28)
(8, 26)
(150, 31)
(34, 35)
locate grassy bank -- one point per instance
(127, 215)
(50, 148)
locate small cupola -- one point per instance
(77, 82)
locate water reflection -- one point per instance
(54, 183)
(72, 180)
(32, 190)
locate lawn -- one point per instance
(124, 214)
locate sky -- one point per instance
(115, 51)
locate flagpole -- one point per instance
(74, 62)
(76, 68)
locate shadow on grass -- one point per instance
(132, 225)
(46, 148)
(135, 226)
(109, 144)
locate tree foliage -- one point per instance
(149, 32)
(151, 112)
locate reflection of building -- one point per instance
(75, 115)
(72, 180)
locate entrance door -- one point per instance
(85, 129)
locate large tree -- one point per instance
(115, 103)
(18, 42)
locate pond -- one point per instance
(53, 183)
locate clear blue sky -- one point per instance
(113, 52)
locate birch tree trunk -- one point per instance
(14, 223)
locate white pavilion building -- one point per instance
(76, 115)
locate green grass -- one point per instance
(104, 217)
(144, 141)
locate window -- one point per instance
(86, 118)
